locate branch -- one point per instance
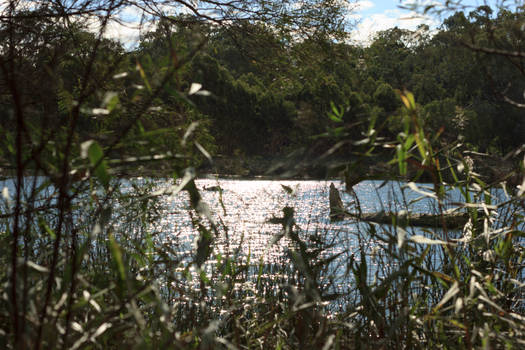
(491, 51)
(512, 102)
(509, 100)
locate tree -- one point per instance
(386, 98)
(495, 39)
(78, 109)
(387, 56)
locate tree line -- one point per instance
(264, 92)
(270, 94)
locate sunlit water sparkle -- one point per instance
(243, 208)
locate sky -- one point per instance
(370, 16)
(377, 15)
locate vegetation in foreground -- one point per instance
(85, 265)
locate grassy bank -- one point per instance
(92, 269)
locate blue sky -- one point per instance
(370, 16)
(376, 15)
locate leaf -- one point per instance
(203, 93)
(5, 194)
(401, 159)
(117, 257)
(36, 267)
(334, 108)
(100, 330)
(95, 155)
(77, 327)
(334, 117)
(194, 88)
(408, 100)
(521, 188)
(457, 324)
(112, 103)
(204, 246)
(46, 228)
(95, 305)
(409, 141)
(100, 111)
(120, 75)
(405, 101)
(329, 342)
(442, 276)
(421, 146)
(188, 132)
(411, 100)
(203, 151)
(424, 240)
(288, 189)
(414, 188)
(110, 100)
(361, 142)
(449, 295)
(458, 305)
(143, 76)
(84, 147)
(401, 234)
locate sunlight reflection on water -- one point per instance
(243, 208)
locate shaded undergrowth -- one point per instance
(86, 266)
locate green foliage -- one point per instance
(386, 98)
(86, 263)
(439, 287)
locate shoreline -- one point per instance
(286, 168)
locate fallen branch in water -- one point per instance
(453, 220)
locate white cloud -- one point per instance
(126, 33)
(363, 5)
(355, 9)
(369, 26)
(126, 27)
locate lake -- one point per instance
(246, 206)
(242, 209)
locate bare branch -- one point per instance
(492, 51)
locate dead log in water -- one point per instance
(451, 220)
(337, 209)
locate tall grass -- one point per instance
(86, 266)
